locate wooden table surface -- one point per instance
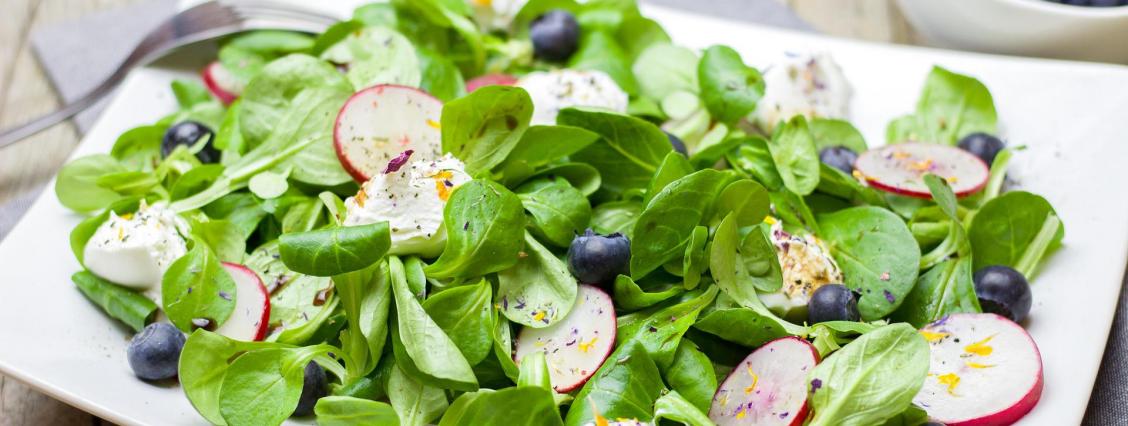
(26, 93)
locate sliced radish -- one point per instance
(381, 122)
(900, 168)
(490, 80)
(222, 83)
(251, 316)
(769, 387)
(985, 370)
(575, 346)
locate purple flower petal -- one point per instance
(399, 161)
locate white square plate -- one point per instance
(1069, 114)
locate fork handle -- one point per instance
(44, 122)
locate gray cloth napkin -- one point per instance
(77, 55)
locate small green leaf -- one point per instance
(334, 251)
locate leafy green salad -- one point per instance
(545, 212)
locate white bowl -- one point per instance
(1023, 27)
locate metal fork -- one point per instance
(202, 22)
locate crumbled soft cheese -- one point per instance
(496, 14)
(809, 84)
(555, 90)
(806, 264)
(411, 200)
(134, 250)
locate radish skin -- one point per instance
(221, 83)
(985, 370)
(251, 316)
(900, 168)
(381, 122)
(490, 80)
(769, 387)
(577, 345)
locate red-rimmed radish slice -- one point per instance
(379, 123)
(985, 370)
(577, 345)
(490, 80)
(221, 83)
(769, 387)
(900, 168)
(251, 316)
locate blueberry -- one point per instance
(555, 35)
(983, 145)
(598, 259)
(1106, 3)
(677, 143)
(188, 133)
(315, 387)
(839, 157)
(1004, 291)
(154, 353)
(832, 302)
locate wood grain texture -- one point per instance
(26, 93)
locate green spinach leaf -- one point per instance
(631, 297)
(675, 166)
(628, 152)
(415, 403)
(465, 314)
(945, 289)
(424, 351)
(829, 132)
(729, 88)
(626, 386)
(615, 216)
(1004, 229)
(878, 255)
(667, 223)
(521, 405)
(796, 158)
(692, 375)
(950, 107)
(663, 69)
(197, 287)
(484, 223)
(558, 211)
(333, 251)
(755, 160)
(271, 93)
(349, 411)
(77, 187)
(660, 331)
(262, 387)
(204, 362)
(675, 407)
(870, 380)
(484, 126)
(539, 290)
(120, 303)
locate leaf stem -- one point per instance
(1028, 263)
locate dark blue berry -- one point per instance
(315, 387)
(154, 353)
(677, 143)
(1004, 291)
(555, 35)
(982, 145)
(598, 259)
(188, 133)
(832, 302)
(839, 157)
